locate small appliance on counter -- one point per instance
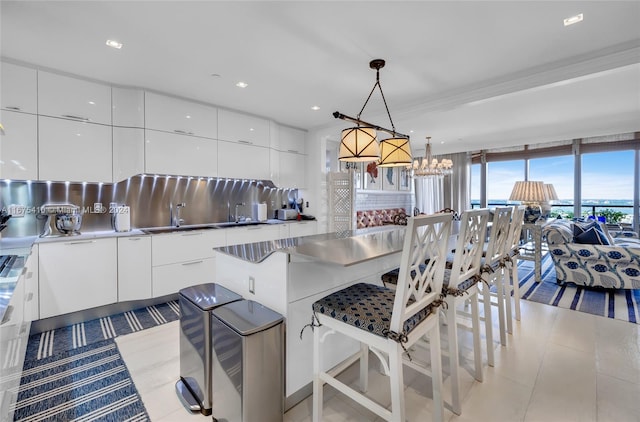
(121, 218)
(287, 214)
(67, 219)
(261, 211)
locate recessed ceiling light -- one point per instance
(187, 116)
(315, 108)
(573, 19)
(216, 75)
(242, 84)
(92, 102)
(114, 44)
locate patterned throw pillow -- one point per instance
(593, 236)
(581, 228)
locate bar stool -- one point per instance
(493, 271)
(388, 322)
(460, 287)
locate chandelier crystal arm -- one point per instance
(341, 116)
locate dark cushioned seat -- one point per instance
(367, 307)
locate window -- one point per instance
(559, 172)
(501, 176)
(475, 185)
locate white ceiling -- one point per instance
(471, 74)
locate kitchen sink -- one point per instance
(161, 230)
(238, 224)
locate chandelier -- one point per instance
(428, 166)
(360, 143)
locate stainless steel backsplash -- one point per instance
(207, 200)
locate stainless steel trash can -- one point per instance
(196, 304)
(248, 363)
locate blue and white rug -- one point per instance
(89, 383)
(49, 343)
(618, 304)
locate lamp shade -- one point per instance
(528, 191)
(551, 192)
(395, 152)
(359, 144)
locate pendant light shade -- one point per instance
(395, 152)
(359, 144)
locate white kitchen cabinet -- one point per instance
(169, 279)
(192, 245)
(252, 234)
(134, 268)
(31, 289)
(292, 170)
(18, 88)
(128, 152)
(291, 140)
(128, 107)
(243, 161)
(74, 151)
(180, 116)
(274, 166)
(77, 275)
(170, 153)
(73, 98)
(243, 128)
(19, 146)
(303, 228)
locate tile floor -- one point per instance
(559, 365)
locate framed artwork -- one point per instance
(389, 178)
(356, 169)
(371, 176)
(404, 179)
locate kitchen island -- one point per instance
(288, 275)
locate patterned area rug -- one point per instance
(76, 372)
(618, 304)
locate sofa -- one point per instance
(589, 254)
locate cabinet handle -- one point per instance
(7, 315)
(71, 116)
(245, 142)
(182, 132)
(254, 228)
(293, 150)
(80, 242)
(193, 234)
(133, 239)
(29, 297)
(193, 263)
(13, 108)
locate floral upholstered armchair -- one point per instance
(588, 254)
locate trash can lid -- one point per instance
(247, 317)
(209, 296)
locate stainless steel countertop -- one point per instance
(344, 248)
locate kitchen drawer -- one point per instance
(188, 246)
(19, 89)
(242, 128)
(180, 116)
(169, 279)
(303, 228)
(252, 234)
(72, 98)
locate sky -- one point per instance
(604, 176)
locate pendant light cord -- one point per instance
(384, 100)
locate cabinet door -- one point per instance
(243, 161)
(303, 228)
(238, 127)
(134, 268)
(291, 140)
(128, 152)
(74, 151)
(18, 90)
(19, 146)
(180, 116)
(169, 279)
(71, 98)
(128, 107)
(169, 153)
(292, 170)
(31, 291)
(77, 275)
(189, 246)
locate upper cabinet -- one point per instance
(181, 155)
(71, 98)
(174, 115)
(243, 128)
(128, 107)
(284, 138)
(128, 152)
(18, 91)
(243, 161)
(19, 146)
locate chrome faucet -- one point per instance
(239, 204)
(176, 220)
